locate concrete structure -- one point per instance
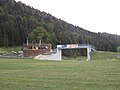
(58, 54)
(74, 46)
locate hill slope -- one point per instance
(17, 20)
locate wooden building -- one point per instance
(35, 49)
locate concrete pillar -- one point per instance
(60, 51)
(59, 54)
(88, 53)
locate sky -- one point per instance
(92, 15)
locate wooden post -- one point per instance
(39, 42)
(27, 42)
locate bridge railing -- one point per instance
(74, 46)
(88, 45)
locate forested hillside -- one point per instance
(18, 20)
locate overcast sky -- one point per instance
(92, 15)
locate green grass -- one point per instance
(28, 74)
(9, 50)
(80, 58)
(103, 55)
(96, 55)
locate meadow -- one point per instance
(29, 74)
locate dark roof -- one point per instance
(34, 44)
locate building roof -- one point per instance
(34, 44)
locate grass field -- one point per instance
(28, 74)
(102, 55)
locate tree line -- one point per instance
(19, 21)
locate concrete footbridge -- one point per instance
(58, 54)
(73, 46)
(89, 48)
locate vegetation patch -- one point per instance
(9, 50)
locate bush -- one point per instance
(118, 49)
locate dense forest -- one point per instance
(18, 22)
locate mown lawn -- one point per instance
(28, 74)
